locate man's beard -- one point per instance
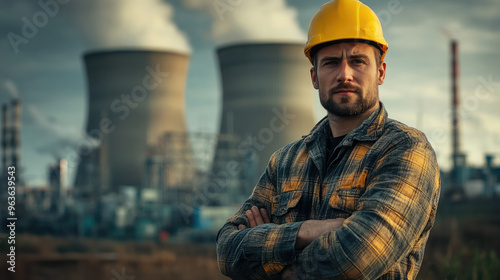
(345, 108)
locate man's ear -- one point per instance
(381, 73)
(314, 78)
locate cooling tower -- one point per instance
(267, 99)
(135, 97)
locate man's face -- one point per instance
(347, 78)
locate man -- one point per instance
(354, 199)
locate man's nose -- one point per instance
(345, 72)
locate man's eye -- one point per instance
(331, 62)
(357, 61)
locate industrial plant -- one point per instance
(146, 176)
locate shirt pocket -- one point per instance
(285, 206)
(346, 200)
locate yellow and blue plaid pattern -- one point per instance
(384, 180)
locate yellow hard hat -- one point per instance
(345, 20)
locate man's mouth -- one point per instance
(345, 91)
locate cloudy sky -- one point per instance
(42, 43)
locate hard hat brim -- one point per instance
(311, 52)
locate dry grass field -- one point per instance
(44, 258)
(464, 243)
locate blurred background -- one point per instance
(138, 127)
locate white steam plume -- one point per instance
(251, 20)
(127, 24)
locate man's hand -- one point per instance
(256, 217)
(311, 229)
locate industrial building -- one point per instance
(57, 180)
(10, 140)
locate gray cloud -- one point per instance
(11, 88)
(49, 125)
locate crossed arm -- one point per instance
(309, 230)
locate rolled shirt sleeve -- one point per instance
(394, 212)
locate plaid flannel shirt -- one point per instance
(384, 180)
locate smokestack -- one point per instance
(455, 102)
(267, 98)
(15, 141)
(135, 96)
(5, 137)
(459, 174)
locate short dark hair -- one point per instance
(315, 49)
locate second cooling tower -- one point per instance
(135, 97)
(267, 98)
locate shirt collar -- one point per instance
(369, 130)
